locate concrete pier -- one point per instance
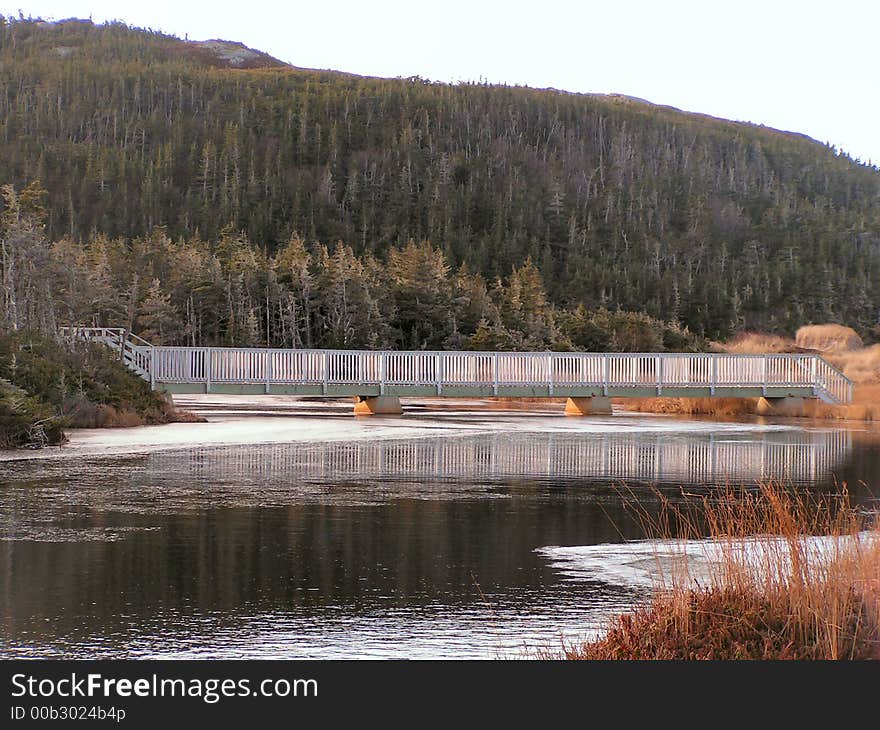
(785, 406)
(379, 405)
(595, 406)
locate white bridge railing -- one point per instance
(489, 370)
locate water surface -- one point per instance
(435, 535)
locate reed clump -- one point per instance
(753, 343)
(789, 577)
(718, 407)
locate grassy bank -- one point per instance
(775, 590)
(865, 406)
(839, 345)
(47, 386)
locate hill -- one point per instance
(618, 203)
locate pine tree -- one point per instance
(158, 319)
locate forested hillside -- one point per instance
(202, 201)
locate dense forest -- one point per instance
(155, 183)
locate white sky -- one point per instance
(807, 66)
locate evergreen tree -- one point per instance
(158, 318)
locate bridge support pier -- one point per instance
(595, 406)
(786, 406)
(377, 405)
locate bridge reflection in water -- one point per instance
(735, 457)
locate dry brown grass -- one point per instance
(865, 406)
(860, 366)
(775, 591)
(828, 338)
(839, 345)
(82, 413)
(503, 403)
(718, 407)
(756, 343)
(181, 416)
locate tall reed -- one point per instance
(791, 576)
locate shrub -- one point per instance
(26, 421)
(605, 331)
(50, 384)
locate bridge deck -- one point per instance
(480, 374)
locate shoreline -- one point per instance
(332, 419)
(779, 575)
(251, 420)
(864, 408)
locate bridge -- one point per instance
(377, 379)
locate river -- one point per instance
(301, 532)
